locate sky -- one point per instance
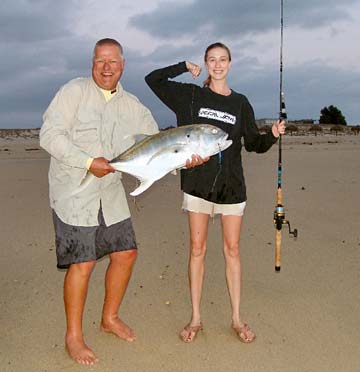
(44, 44)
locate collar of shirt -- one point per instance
(108, 94)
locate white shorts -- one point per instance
(198, 205)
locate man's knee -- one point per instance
(124, 257)
(83, 269)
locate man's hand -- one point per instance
(195, 161)
(100, 167)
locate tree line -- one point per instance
(328, 115)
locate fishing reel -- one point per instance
(279, 220)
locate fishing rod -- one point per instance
(279, 213)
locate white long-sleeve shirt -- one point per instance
(79, 124)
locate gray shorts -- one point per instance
(76, 244)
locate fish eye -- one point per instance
(188, 135)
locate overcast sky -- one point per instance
(44, 44)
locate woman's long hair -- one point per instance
(212, 46)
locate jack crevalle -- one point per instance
(156, 155)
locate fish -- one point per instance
(154, 156)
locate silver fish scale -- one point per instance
(167, 137)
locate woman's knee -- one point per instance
(197, 249)
(232, 249)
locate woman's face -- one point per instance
(218, 63)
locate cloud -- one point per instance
(30, 79)
(25, 21)
(314, 85)
(44, 44)
(233, 17)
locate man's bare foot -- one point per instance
(79, 351)
(118, 328)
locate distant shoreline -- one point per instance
(22, 133)
(33, 133)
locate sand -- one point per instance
(306, 317)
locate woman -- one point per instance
(216, 186)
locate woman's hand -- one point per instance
(195, 161)
(278, 128)
(194, 70)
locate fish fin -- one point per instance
(140, 137)
(144, 185)
(178, 147)
(136, 137)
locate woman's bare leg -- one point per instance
(198, 224)
(231, 226)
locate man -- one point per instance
(89, 121)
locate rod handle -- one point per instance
(277, 251)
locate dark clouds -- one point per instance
(234, 17)
(41, 49)
(24, 21)
(39, 53)
(309, 86)
(33, 74)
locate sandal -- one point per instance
(189, 332)
(245, 333)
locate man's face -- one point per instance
(108, 65)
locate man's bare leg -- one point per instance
(75, 292)
(116, 281)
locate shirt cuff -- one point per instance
(89, 162)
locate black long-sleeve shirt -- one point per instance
(220, 182)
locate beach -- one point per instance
(306, 316)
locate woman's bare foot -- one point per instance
(79, 351)
(118, 328)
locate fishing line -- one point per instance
(192, 105)
(219, 171)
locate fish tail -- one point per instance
(144, 185)
(84, 182)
